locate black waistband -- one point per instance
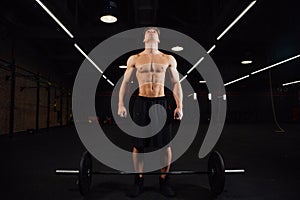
(152, 98)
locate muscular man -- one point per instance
(150, 66)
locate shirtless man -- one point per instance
(151, 66)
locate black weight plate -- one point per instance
(85, 173)
(217, 176)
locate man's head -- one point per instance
(151, 34)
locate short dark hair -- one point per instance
(154, 28)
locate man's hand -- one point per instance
(178, 113)
(122, 112)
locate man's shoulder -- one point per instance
(135, 56)
(169, 56)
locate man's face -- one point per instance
(151, 35)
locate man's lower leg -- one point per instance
(138, 163)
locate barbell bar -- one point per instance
(76, 172)
(216, 173)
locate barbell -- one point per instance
(215, 170)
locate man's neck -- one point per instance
(151, 48)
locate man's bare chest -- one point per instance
(154, 64)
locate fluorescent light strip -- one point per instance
(53, 17)
(110, 82)
(195, 65)
(234, 170)
(290, 83)
(246, 62)
(93, 63)
(104, 76)
(183, 78)
(281, 62)
(67, 171)
(88, 58)
(198, 62)
(220, 36)
(202, 81)
(241, 15)
(211, 49)
(195, 96)
(122, 66)
(236, 80)
(209, 96)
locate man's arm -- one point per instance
(124, 86)
(177, 90)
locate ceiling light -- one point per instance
(110, 82)
(281, 62)
(224, 97)
(237, 19)
(109, 11)
(209, 96)
(183, 78)
(195, 96)
(88, 58)
(211, 49)
(236, 80)
(290, 83)
(108, 19)
(55, 19)
(177, 48)
(246, 62)
(195, 65)
(220, 36)
(122, 66)
(92, 62)
(202, 81)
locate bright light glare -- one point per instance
(55, 19)
(236, 80)
(290, 83)
(108, 19)
(237, 19)
(234, 170)
(177, 48)
(88, 58)
(195, 65)
(67, 171)
(281, 62)
(195, 96)
(110, 82)
(183, 78)
(246, 62)
(211, 49)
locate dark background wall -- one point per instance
(30, 66)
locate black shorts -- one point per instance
(141, 117)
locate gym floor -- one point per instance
(269, 158)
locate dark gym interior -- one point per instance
(39, 64)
